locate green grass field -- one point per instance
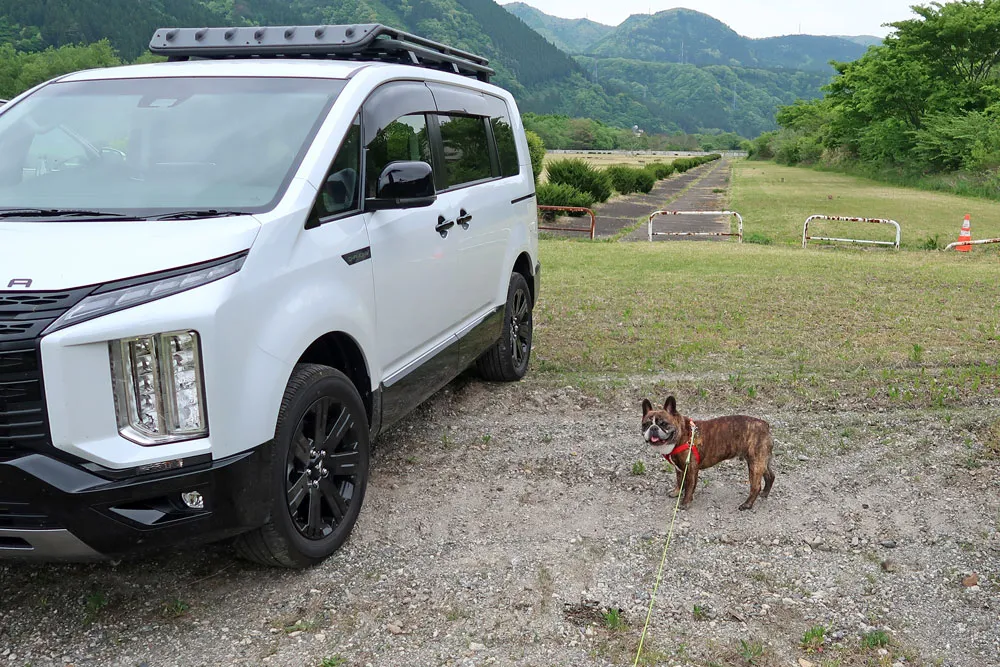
(776, 200)
(752, 320)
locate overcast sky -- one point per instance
(752, 18)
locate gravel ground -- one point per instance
(503, 523)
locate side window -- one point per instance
(342, 186)
(503, 133)
(404, 139)
(466, 149)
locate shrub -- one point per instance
(660, 170)
(582, 176)
(558, 194)
(536, 150)
(627, 180)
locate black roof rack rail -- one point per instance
(362, 42)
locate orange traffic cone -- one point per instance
(965, 235)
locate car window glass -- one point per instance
(56, 150)
(404, 139)
(339, 193)
(503, 134)
(466, 149)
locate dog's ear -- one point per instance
(647, 407)
(671, 406)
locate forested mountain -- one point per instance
(609, 83)
(713, 96)
(570, 35)
(544, 79)
(687, 36)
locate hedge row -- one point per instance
(575, 182)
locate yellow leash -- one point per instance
(670, 534)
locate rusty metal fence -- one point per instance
(738, 217)
(572, 209)
(963, 243)
(837, 218)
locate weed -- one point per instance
(613, 619)
(758, 238)
(94, 604)
(333, 661)
(876, 639)
(174, 608)
(638, 468)
(751, 651)
(699, 613)
(487, 438)
(546, 438)
(412, 460)
(916, 353)
(932, 243)
(813, 639)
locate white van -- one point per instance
(223, 275)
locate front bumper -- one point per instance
(51, 510)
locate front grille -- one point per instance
(25, 315)
(23, 515)
(23, 417)
(23, 425)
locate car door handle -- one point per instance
(464, 219)
(443, 226)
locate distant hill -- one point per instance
(570, 35)
(687, 36)
(674, 70)
(543, 78)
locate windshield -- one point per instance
(146, 147)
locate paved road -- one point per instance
(701, 196)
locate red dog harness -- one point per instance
(683, 447)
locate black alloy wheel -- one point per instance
(507, 360)
(319, 471)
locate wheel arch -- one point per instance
(342, 352)
(523, 266)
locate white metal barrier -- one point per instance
(979, 242)
(739, 219)
(838, 218)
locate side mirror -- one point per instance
(112, 156)
(404, 185)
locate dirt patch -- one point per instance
(504, 524)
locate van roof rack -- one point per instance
(362, 42)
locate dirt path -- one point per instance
(623, 211)
(501, 521)
(707, 194)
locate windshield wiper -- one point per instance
(195, 214)
(58, 213)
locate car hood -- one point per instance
(64, 255)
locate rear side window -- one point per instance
(503, 133)
(466, 150)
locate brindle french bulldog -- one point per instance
(747, 438)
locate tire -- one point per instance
(507, 360)
(316, 490)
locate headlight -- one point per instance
(159, 387)
(125, 294)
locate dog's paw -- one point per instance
(745, 506)
(674, 493)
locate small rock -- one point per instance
(890, 566)
(293, 635)
(889, 544)
(803, 457)
(805, 663)
(394, 629)
(476, 646)
(971, 580)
